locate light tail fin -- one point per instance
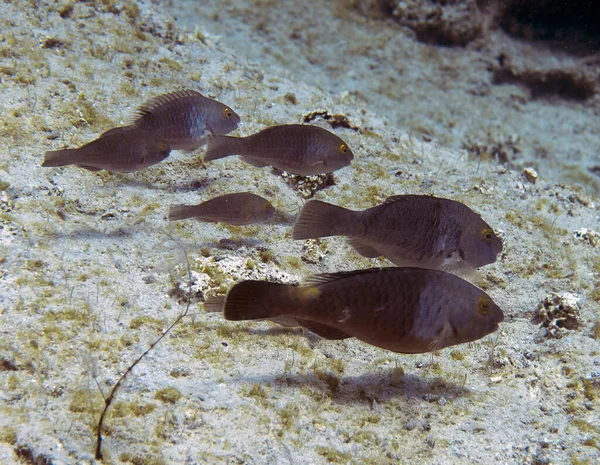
(59, 157)
(181, 212)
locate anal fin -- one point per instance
(89, 168)
(326, 332)
(254, 162)
(363, 249)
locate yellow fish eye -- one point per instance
(484, 305)
(343, 148)
(163, 146)
(227, 113)
(487, 235)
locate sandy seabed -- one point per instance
(91, 273)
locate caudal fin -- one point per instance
(321, 219)
(181, 212)
(257, 300)
(59, 157)
(216, 304)
(218, 146)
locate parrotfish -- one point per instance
(236, 209)
(406, 310)
(123, 150)
(295, 148)
(409, 230)
(185, 118)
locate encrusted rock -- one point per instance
(455, 22)
(559, 313)
(587, 235)
(308, 186)
(313, 251)
(530, 174)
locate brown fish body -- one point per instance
(295, 148)
(406, 310)
(122, 150)
(409, 230)
(237, 209)
(185, 118)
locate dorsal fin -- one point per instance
(113, 131)
(156, 102)
(324, 278)
(404, 197)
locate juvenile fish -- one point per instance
(122, 150)
(237, 209)
(406, 310)
(295, 148)
(185, 118)
(409, 230)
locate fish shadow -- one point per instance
(380, 386)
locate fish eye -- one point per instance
(484, 305)
(163, 146)
(343, 148)
(487, 235)
(227, 113)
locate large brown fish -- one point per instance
(406, 310)
(122, 150)
(185, 118)
(409, 230)
(237, 209)
(295, 148)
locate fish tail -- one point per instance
(221, 146)
(181, 212)
(59, 157)
(214, 304)
(257, 300)
(321, 219)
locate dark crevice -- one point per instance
(563, 83)
(336, 121)
(572, 26)
(27, 455)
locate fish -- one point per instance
(185, 118)
(122, 150)
(405, 310)
(409, 230)
(296, 148)
(237, 209)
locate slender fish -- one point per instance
(295, 148)
(122, 150)
(409, 230)
(237, 209)
(406, 310)
(184, 119)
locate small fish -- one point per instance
(406, 310)
(185, 118)
(295, 148)
(237, 209)
(409, 230)
(122, 150)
